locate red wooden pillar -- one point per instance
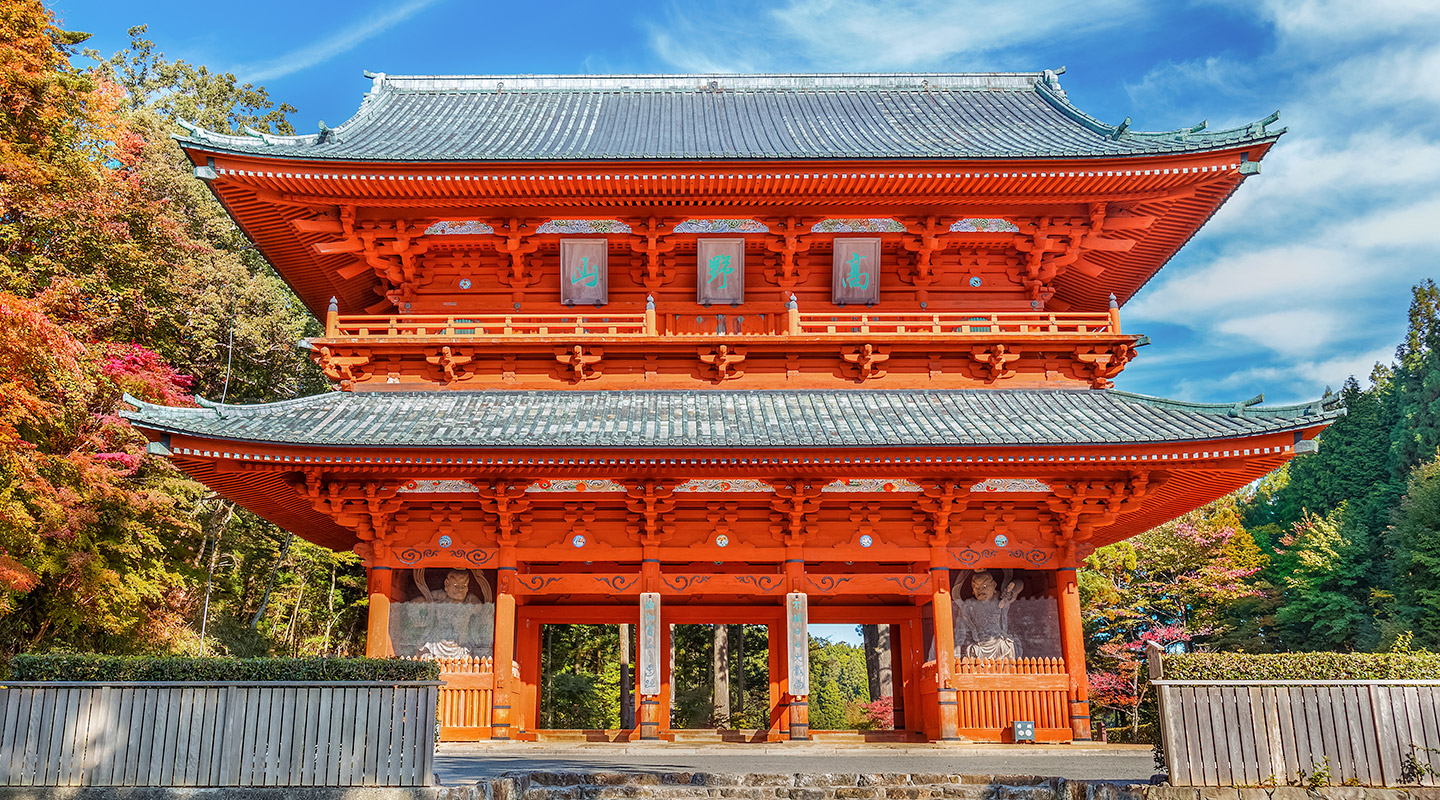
(912, 642)
(504, 645)
(526, 699)
(667, 678)
(650, 655)
(1072, 646)
(377, 628)
(797, 664)
(779, 700)
(943, 612)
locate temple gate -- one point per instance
(776, 350)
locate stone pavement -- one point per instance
(466, 763)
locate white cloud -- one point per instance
(337, 43)
(860, 35)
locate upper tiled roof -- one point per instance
(733, 419)
(659, 117)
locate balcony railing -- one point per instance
(791, 322)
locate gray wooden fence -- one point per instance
(277, 733)
(1254, 733)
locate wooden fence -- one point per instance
(994, 693)
(466, 699)
(1254, 733)
(277, 733)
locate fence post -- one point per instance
(1114, 314)
(792, 316)
(651, 329)
(332, 318)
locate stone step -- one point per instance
(785, 786)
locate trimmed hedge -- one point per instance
(1302, 666)
(91, 667)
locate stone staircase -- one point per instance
(823, 786)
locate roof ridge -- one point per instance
(712, 81)
(1243, 408)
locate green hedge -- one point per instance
(90, 667)
(1302, 666)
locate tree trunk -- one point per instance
(886, 662)
(720, 663)
(740, 672)
(265, 598)
(330, 614)
(871, 635)
(627, 681)
(294, 615)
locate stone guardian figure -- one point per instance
(982, 623)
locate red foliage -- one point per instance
(881, 713)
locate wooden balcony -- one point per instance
(648, 325)
(759, 347)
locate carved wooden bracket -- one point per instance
(927, 237)
(507, 502)
(516, 239)
(649, 501)
(865, 517)
(1050, 245)
(940, 501)
(792, 501)
(652, 272)
(790, 243)
(452, 362)
(994, 361)
(865, 363)
(365, 507)
(1103, 364)
(389, 249)
(720, 363)
(1078, 508)
(579, 363)
(345, 369)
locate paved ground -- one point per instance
(465, 763)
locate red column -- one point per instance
(504, 645)
(525, 700)
(667, 689)
(779, 700)
(1072, 646)
(377, 628)
(949, 710)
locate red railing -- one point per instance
(791, 322)
(957, 322)
(992, 694)
(485, 325)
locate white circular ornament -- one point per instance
(464, 283)
(578, 541)
(1001, 540)
(444, 541)
(866, 540)
(722, 540)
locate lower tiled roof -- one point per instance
(733, 419)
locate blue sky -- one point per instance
(1302, 279)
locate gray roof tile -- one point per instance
(659, 117)
(736, 419)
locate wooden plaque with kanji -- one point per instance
(856, 272)
(584, 277)
(720, 271)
